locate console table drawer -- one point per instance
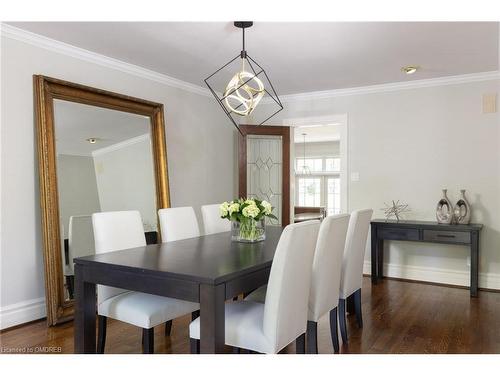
(398, 234)
(446, 236)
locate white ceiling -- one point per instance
(298, 57)
(75, 123)
(317, 133)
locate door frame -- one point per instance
(342, 119)
(284, 132)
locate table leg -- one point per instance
(474, 264)
(380, 259)
(374, 254)
(85, 314)
(212, 320)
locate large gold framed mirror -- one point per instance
(97, 151)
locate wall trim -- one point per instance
(22, 312)
(436, 275)
(83, 54)
(389, 87)
(119, 145)
(69, 50)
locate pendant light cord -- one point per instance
(244, 40)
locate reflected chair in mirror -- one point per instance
(67, 271)
(269, 327)
(80, 243)
(325, 282)
(351, 278)
(178, 223)
(122, 230)
(212, 222)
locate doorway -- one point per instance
(319, 165)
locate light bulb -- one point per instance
(240, 97)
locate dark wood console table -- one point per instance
(424, 231)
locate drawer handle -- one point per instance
(445, 235)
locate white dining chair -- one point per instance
(178, 223)
(212, 222)
(325, 280)
(269, 327)
(117, 231)
(65, 260)
(80, 238)
(351, 278)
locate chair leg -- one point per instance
(168, 328)
(312, 337)
(357, 308)
(333, 330)
(70, 283)
(195, 346)
(350, 304)
(342, 322)
(300, 344)
(101, 334)
(195, 315)
(148, 339)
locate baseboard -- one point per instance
(436, 275)
(22, 312)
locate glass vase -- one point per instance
(248, 230)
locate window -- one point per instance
(333, 204)
(320, 187)
(332, 165)
(314, 165)
(309, 191)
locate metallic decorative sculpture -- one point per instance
(444, 210)
(395, 209)
(462, 210)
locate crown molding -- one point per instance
(53, 45)
(119, 145)
(396, 86)
(82, 54)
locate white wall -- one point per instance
(318, 149)
(200, 147)
(77, 187)
(125, 180)
(408, 145)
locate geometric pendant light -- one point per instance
(243, 84)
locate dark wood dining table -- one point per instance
(208, 269)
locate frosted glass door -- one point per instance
(264, 171)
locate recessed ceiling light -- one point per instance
(409, 69)
(92, 140)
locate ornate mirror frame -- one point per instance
(47, 89)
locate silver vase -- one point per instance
(444, 210)
(462, 210)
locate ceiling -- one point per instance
(317, 133)
(298, 57)
(75, 123)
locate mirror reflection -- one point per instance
(104, 163)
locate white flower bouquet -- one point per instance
(247, 217)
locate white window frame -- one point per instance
(323, 175)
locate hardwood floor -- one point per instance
(398, 317)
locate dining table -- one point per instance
(209, 269)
